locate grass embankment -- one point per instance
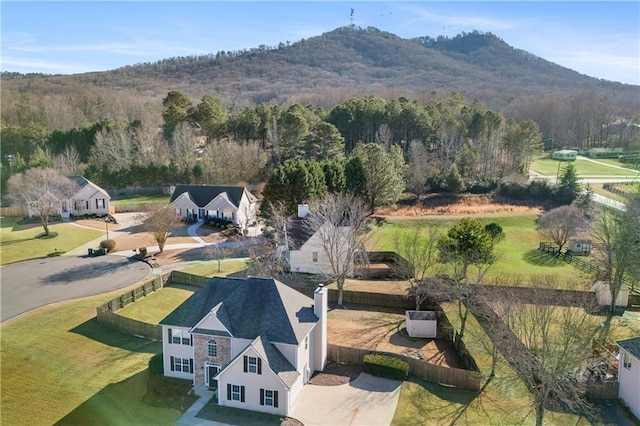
(518, 257)
(59, 362)
(20, 242)
(548, 166)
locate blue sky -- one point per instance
(600, 39)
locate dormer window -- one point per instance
(252, 364)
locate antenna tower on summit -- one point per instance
(351, 17)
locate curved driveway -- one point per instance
(34, 283)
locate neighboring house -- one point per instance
(233, 203)
(305, 251)
(255, 341)
(629, 374)
(90, 199)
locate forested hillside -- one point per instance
(465, 113)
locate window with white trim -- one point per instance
(252, 364)
(627, 361)
(314, 257)
(212, 348)
(180, 337)
(306, 342)
(269, 397)
(235, 392)
(99, 203)
(184, 365)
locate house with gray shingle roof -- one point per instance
(629, 374)
(89, 199)
(255, 341)
(204, 202)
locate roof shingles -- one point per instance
(203, 194)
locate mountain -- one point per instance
(329, 68)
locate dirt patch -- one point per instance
(384, 330)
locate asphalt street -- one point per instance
(34, 283)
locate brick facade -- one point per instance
(201, 354)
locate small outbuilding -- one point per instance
(580, 247)
(565, 155)
(421, 324)
(603, 294)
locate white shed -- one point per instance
(421, 324)
(603, 294)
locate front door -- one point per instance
(211, 371)
(202, 213)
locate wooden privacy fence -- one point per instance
(456, 377)
(106, 313)
(178, 277)
(602, 390)
(136, 207)
(13, 211)
(365, 298)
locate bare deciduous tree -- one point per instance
(68, 163)
(419, 251)
(547, 343)
(561, 224)
(159, 222)
(42, 191)
(617, 236)
(338, 219)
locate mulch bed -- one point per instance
(335, 374)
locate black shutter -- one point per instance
(261, 396)
(191, 339)
(246, 362)
(191, 365)
(228, 391)
(170, 335)
(259, 365)
(241, 393)
(171, 362)
(275, 399)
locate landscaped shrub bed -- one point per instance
(386, 366)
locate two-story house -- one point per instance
(255, 341)
(629, 374)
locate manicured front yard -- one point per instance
(57, 358)
(19, 242)
(139, 199)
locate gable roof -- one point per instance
(82, 181)
(298, 233)
(203, 194)
(250, 308)
(275, 360)
(631, 345)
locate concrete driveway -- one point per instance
(33, 283)
(367, 400)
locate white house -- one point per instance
(255, 341)
(305, 250)
(565, 155)
(89, 199)
(629, 374)
(233, 203)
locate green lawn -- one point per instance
(505, 400)
(518, 257)
(57, 359)
(140, 199)
(547, 166)
(19, 242)
(209, 268)
(154, 307)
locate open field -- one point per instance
(518, 257)
(547, 166)
(19, 242)
(616, 162)
(58, 358)
(140, 199)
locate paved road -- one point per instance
(34, 283)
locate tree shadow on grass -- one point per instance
(141, 399)
(93, 330)
(540, 258)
